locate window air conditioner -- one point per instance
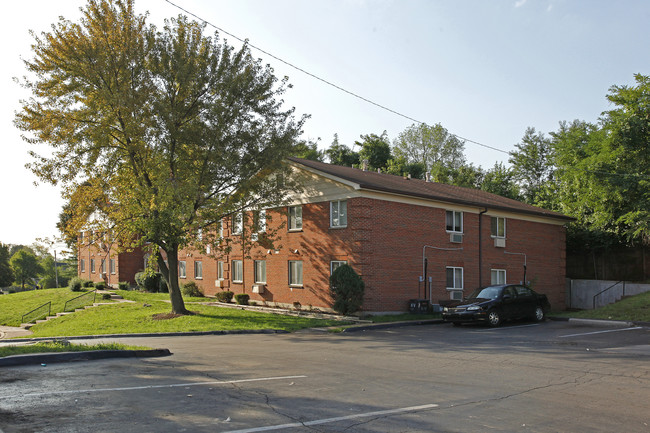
(258, 288)
(500, 242)
(457, 295)
(456, 238)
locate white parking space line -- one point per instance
(336, 419)
(135, 388)
(507, 327)
(601, 332)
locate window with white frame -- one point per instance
(82, 265)
(339, 213)
(198, 270)
(219, 270)
(295, 272)
(259, 224)
(92, 265)
(112, 266)
(498, 276)
(335, 264)
(498, 227)
(182, 269)
(454, 278)
(260, 271)
(237, 223)
(102, 266)
(454, 221)
(237, 271)
(295, 218)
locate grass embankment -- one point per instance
(635, 308)
(148, 314)
(58, 346)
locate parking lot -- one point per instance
(548, 377)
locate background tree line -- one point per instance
(33, 267)
(598, 173)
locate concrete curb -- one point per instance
(393, 325)
(45, 358)
(599, 322)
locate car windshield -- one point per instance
(486, 293)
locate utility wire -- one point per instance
(329, 83)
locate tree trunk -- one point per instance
(170, 273)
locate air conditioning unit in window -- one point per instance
(500, 242)
(258, 288)
(456, 295)
(456, 238)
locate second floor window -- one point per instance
(339, 213)
(335, 264)
(92, 265)
(112, 266)
(498, 227)
(454, 221)
(237, 223)
(295, 217)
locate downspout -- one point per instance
(480, 247)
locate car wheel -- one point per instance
(539, 314)
(494, 318)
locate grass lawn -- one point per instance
(14, 305)
(634, 308)
(50, 347)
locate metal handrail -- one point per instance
(603, 291)
(49, 310)
(94, 292)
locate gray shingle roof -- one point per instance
(382, 182)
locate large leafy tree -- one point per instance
(25, 265)
(340, 154)
(375, 149)
(532, 164)
(431, 146)
(157, 135)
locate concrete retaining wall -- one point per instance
(580, 293)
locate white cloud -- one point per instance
(520, 3)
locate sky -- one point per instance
(485, 70)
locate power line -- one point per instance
(329, 83)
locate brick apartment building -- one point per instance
(407, 238)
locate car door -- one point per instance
(509, 305)
(526, 302)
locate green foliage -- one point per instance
(308, 150)
(76, 284)
(347, 289)
(88, 284)
(532, 164)
(242, 298)
(100, 285)
(25, 265)
(62, 346)
(6, 273)
(124, 285)
(376, 150)
(224, 296)
(429, 145)
(173, 128)
(340, 154)
(500, 180)
(150, 282)
(191, 289)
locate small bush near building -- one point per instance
(87, 284)
(191, 289)
(225, 296)
(123, 285)
(100, 285)
(347, 289)
(152, 283)
(242, 298)
(76, 284)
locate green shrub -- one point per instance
(100, 285)
(347, 289)
(76, 284)
(152, 283)
(191, 289)
(123, 285)
(88, 284)
(225, 296)
(106, 296)
(242, 298)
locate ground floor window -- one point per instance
(198, 270)
(335, 264)
(454, 278)
(219, 270)
(295, 272)
(92, 265)
(182, 269)
(82, 265)
(260, 271)
(237, 271)
(112, 266)
(498, 276)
